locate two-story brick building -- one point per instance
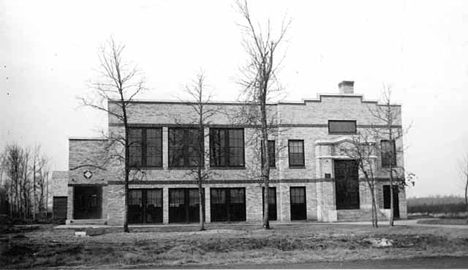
(310, 178)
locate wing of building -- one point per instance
(313, 175)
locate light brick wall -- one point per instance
(303, 121)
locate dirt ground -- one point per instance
(224, 245)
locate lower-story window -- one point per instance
(387, 199)
(298, 203)
(184, 205)
(145, 206)
(228, 204)
(272, 215)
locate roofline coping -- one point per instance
(86, 139)
(303, 101)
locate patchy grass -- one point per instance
(444, 221)
(223, 245)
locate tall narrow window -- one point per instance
(185, 147)
(271, 153)
(145, 147)
(341, 126)
(226, 147)
(296, 153)
(388, 153)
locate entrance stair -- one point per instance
(87, 222)
(358, 215)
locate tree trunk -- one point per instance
(466, 198)
(125, 227)
(202, 204)
(266, 160)
(375, 221)
(391, 221)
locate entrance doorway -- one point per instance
(346, 184)
(396, 202)
(145, 206)
(87, 202)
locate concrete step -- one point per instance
(87, 221)
(358, 215)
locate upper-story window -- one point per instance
(341, 126)
(185, 147)
(227, 147)
(145, 147)
(271, 153)
(388, 153)
(296, 153)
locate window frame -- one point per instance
(227, 148)
(391, 161)
(185, 147)
(341, 132)
(144, 147)
(289, 155)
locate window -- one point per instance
(145, 146)
(341, 126)
(184, 205)
(388, 153)
(145, 206)
(185, 147)
(298, 203)
(228, 204)
(226, 147)
(296, 153)
(271, 153)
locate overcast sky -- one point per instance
(48, 52)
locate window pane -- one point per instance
(134, 197)
(336, 126)
(296, 153)
(194, 197)
(217, 147)
(135, 146)
(218, 196)
(237, 195)
(388, 153)
(271, 153)
(176, 147)
(153, 147)
(154, 197)
(236, 147)
(297, 195)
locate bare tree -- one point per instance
(40, 172)
(119, 82)
(464, 171)
(199, 102)
(259, 80)
(392, 132)
(363, 150)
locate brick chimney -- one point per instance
(346, 87)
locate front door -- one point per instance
(396, 202)
(346, 184)
(87, 202)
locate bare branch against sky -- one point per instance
(49, 50)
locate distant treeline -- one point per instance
(436, 204)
